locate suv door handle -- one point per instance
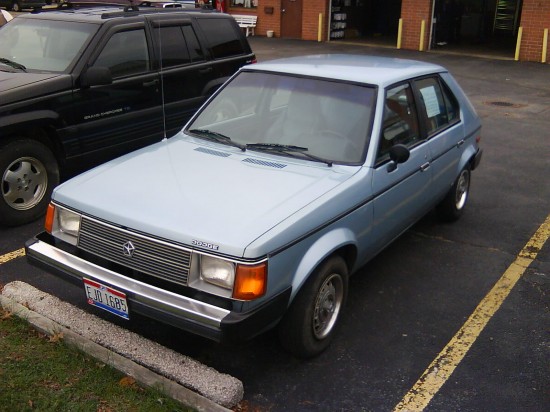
(151, 83)
(206, 70)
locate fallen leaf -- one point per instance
(127, 381)
(56, 337)
(6, 315)
(31, 404)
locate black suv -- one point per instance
(82, 86)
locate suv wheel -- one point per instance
(311, 320)
(15, 6)
(29, 173)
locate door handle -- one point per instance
(460, 143)
(152, 83)
(425, 167)
(205, 71)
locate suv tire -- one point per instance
(29, 172)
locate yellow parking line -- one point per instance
(12, 255)
(448, 359)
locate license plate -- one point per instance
(106, 298)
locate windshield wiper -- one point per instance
(289, 149)
(13, 64)
(218, 137)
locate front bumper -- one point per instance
(189, 314)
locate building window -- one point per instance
(247, 4)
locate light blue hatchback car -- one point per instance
(288, 180)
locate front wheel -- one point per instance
(452, 206)
(307, 328)
(29, 173)
(15, 6)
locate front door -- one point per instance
(291, 19)
(126, 114)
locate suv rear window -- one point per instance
(222, 37)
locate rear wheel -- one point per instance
(15, 6)
(452, 206)
(29, 172)
(310, 323)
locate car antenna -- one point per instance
(161, 81)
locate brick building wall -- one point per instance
(412, 13)
(535, 17)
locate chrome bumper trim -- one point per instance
(180, 306)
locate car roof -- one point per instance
(101, 14)
(379, 71)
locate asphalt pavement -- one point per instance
(411, 301)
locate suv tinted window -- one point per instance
(125, 53)
(222, 37)
(179, 45)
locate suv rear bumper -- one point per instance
(195, 316)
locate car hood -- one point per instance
(20, 85)
(190, 191)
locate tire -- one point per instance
(29, 172)
(15, 6)
(310, 322)
(452, 206)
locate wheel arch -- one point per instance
(39, 127)
(340, 242)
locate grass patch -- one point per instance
(38, 372)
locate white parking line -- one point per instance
(450, 357)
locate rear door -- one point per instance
(440, 113)
(115, 118)
(184, 66)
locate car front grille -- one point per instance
(149, 256)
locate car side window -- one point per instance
(439, 105)
(125, 53)
(400, 122)
(222, 37)
(179, 45)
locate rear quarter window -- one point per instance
(223, 38)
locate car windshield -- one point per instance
(43, 45)
(326, 120)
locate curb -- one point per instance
(140, 373)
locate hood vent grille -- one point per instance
(212, 152)
(264, 163)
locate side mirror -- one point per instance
(398, 154)
(96, 76)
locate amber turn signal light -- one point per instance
(250, 281)
(48, 223)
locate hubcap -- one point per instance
(327, 306)
(24, 183)
(462, 188)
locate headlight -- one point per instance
(63, 224)
(217, 271)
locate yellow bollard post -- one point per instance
(518, 44)
(399, 33)
(544, 45)
(422, 33)
(320, 28)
